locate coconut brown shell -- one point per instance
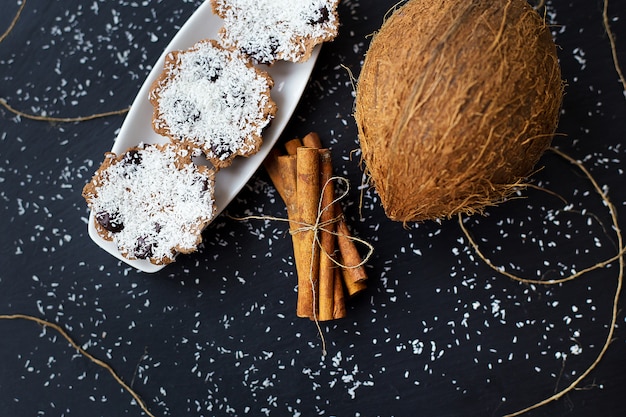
(456, 102)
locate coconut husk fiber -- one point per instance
(456, 102)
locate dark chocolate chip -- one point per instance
(143, 249)
(220, 150)
(273, 46)
(190, 112)
(321, 16)
(214, 73)
(132, 157)
(208, 68)
(260, 57)
(206, 185)
(236, 99)
(109, 221)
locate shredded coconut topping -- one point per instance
(152, 201)
(268, 30)
(214, 98)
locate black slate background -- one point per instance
(437, 333)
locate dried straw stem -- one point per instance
(613, 43)
(6, 105)
(620, 278)
(25, 115)
(13, 22)
(83, 352)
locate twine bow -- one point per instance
(322, 226)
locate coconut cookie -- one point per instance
(214, 99)
(270, 30)
(152, 201)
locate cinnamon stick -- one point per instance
(330, 275)
(326, 238)
(312, 140)
(339, 305)
(349, 252)
(352, 287)
(288, 183)
(307, 201)
(273, 169)
(292, 145)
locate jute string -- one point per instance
(318, 227)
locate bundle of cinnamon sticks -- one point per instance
(328, 263)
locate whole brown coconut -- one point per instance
(456, 102)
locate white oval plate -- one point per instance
(289, 82)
